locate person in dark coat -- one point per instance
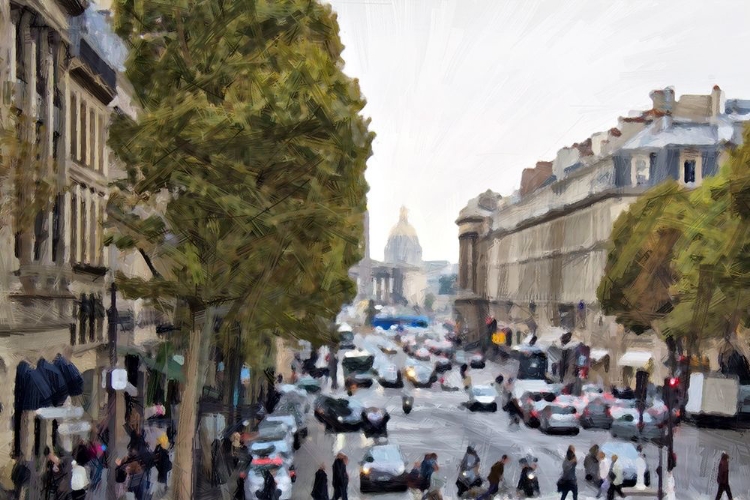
(269, 487)
(340, 477)
(239, 493)
(568, 482)
(333, 369)
(320, 486)
(723, 478)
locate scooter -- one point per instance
(528, 483)
(375, 422)
(406, 403)
(467, 479)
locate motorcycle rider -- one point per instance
(468, 471)
(528, 484)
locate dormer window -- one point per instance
(688, 172)
(642, 172)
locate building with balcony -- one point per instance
(54, 272)
(534, 261)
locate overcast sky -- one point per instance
(464, 95)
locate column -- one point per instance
(95, 142)
(104, 252)
(95, 226)
(89, 223)
(78, 257)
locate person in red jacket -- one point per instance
(723, 477)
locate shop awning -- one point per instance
(72, 376)
(171, 368)
(56, 381)
(597, 355)
(32, 390)
(635, 359)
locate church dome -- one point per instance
(403, 244)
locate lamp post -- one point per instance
(112, 397)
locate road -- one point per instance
(440, 424)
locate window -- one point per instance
(689, 172)
(73, 228)
(41, 83)
(20, 53)
(82, 152)
(92, 140)
(102, 143)
(82, 240)
(642, 171)
(40, 234)
(55, 144)
(73, 127)
(56, 222)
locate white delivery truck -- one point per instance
(713, 397)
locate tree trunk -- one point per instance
(195, 364)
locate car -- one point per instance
(531, 403)
(627, 455)
(421, 376)
(558, 417)
(291, 421)
(389, 375)
(482, 397)
(422, 354)
(272, 445)
(309, 384)
(442, 364)
(659, 412)
(451, 381)
(383, 468)
(476, 361)
(339, 415)
(300, 401)
(285, 408)
(625, 424)
(357, 361)
(358, 380)
(596, 415)
(268, 428)
(284, 477)
(388, 347)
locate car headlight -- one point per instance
(340, 419)
(365, 470)
(464, 473)
(401, 469)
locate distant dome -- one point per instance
(403, 244)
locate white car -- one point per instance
(482, 397)
(254, 482)
(289, 420)
(422, 354)
(273, 446)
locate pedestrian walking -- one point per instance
(333, 369)
(163, 465)
(723, 478)
(79, 481)
(568, 482)
(413, 482)
(615, 477)
(269, 491)
(434, 484)
(320, 486)
(591, 465)
(497, 471)
(20, 476)
(340, 477)
(604, 466)
(239, 493)
(426, 469)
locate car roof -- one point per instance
(619, 448)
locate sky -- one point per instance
(464, 94)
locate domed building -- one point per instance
(403, 244)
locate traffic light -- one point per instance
(669, 391)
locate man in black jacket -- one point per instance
(340, 478)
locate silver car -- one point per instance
(559, 417)
(627, 455)
(625, 425)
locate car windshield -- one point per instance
(386, 454)
(484, 391)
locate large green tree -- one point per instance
(245, 179)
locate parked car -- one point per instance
(558, 417)
(359, 380)
(482, 397)
(346, 341)
(477, 361)
(383, 468)
(596, 415)
(285, 408)
(283, 477)
(531, 403)
(309, 384)
(388, 347)
(442, 364)
(625, 424)
(339, 415)
(421, 376)
(273, 444)
(627, 455)
(290, 421)
(451, 381)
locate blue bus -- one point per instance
(387, 322)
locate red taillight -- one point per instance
(609, 412)
(534, 413)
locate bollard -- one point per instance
(640, 465)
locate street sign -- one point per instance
(119, 379)
(498, 338)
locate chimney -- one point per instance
(717, 101)
(663, 100)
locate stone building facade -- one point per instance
(54, 274)
(534, 261)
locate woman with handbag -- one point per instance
(568, 482)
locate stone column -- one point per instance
(80, 218)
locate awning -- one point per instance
(171, 368)
(597, 355)
(32, 390)
(56, 381)
(635, 359)
(72, 376)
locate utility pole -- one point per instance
(112, 397)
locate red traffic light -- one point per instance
(674, 382)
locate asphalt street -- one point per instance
(440, 424)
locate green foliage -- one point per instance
(638, 275)
(254, 129)
(429, 301)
